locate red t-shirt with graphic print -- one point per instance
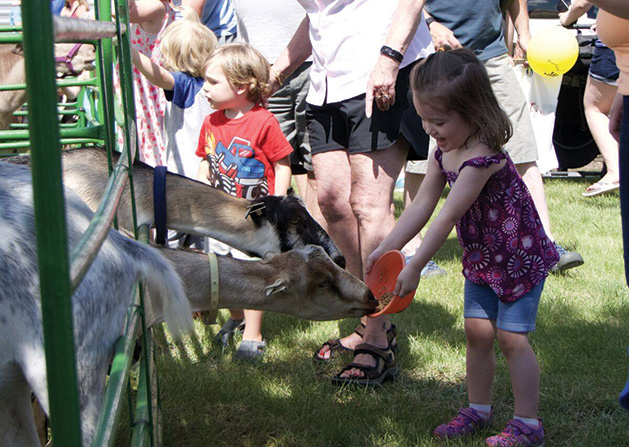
(241, 152)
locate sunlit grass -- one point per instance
(210, 399)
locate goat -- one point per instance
(280, 223)
(99, 306)
(12, 71)
(305, 283)
(302, 282)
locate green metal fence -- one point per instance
(62, 269)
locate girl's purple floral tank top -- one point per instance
(504, 243)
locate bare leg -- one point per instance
(597, 102)
(412, 182)
(480, 359)
(301, 181)
(524, 371)
(311, 199)
(533, 180)
(373, 180)
(253, 325)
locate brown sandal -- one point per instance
(385, 368)
(336, 345)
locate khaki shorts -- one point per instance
(522, 146)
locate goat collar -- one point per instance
(213, 311)
(159, 204)
(67, 59)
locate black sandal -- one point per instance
(336, 345)
(385, 368)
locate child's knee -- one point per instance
(513, 343)
(479, 332)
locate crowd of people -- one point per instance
(341, 96)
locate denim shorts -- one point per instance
(603, 65)
(518, 316)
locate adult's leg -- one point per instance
(373, 177)
(412, 182)
(533, 180)
(597, 102)
(332, 170)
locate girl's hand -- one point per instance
(407, 281)
(373, 257)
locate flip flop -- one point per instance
(335, 343)
(601, 187)
(384, 370)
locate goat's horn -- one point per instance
(277, 286)
(255, 208)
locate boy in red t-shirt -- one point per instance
(244, 153)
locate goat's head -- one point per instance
(309, 285)
(72, 59)
(295, 227)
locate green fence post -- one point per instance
(52, 247)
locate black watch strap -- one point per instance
(395, 54)
(429, 20)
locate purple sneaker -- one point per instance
(466, 422)
(518, 434)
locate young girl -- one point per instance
(185, 46)
(243, 151)
(506, 253)
(149, 19)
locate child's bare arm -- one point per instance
(152, 71)
(415, 216)
(282, 175)
(146, 11)
(203, 173)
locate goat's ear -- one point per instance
(290, 192)
(276, 287)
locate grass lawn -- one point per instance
(210, 399)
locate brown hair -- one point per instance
(243, 65)
(456, 80)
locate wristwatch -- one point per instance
(429, 20)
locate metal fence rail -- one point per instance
(60, 270)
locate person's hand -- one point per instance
(381, 85)
(407, 280)
(442, 36)
(373, 257)
(521, 46)
(615, 116)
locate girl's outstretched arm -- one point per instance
(141, 11)
(415, 216)
(152, 71)
(464, 193)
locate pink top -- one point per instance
(504, 243)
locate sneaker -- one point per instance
(518, 434)
(567, 259)
(251, 350)
(432, 269)
(228, 330)
(466, 422)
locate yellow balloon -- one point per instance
(552, 51)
